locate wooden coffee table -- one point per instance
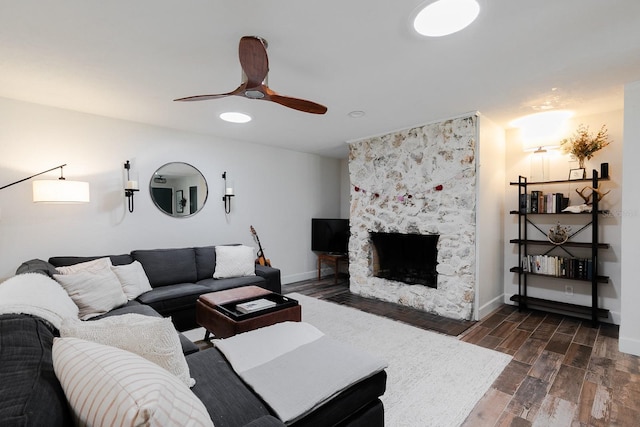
(217, 312)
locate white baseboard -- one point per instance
(629, 345)
(489, 307)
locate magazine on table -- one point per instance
(255, 305)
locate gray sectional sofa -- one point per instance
(177, 276)
(32, 395)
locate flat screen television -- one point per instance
(330, 235)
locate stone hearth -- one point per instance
(417, 181)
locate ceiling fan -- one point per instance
(255, 67)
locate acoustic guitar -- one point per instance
(262, 260)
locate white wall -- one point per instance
(277, 191)
(345, 189)
(518, 163)
(489, 218)
(630, 217)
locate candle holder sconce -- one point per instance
(130, 187)
(228, 193)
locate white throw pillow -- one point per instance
(133, 279)
(234, 261)
(107, 386)
(90, 266)
(154, 338)
(94, 291)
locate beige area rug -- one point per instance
(432, 379)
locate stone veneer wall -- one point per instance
(422, 181)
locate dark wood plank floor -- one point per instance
(339, 293)
(563, 372)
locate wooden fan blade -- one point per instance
(202, 97)
(298, 104)
(253, 59)
(236, 91)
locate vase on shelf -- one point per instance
(559, 234)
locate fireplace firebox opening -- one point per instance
(408, 258)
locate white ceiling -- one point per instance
(130, 59)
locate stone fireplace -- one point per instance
(419, 183)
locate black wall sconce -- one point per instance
(130, 187)
(228, 193)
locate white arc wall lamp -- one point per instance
(57, 191)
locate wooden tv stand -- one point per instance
(334, 261)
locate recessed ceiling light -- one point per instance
(235, 117)
(356, 114)
(444, 17)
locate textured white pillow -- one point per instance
(133, 279)
(154, 338)
(90, 266)
(107, 386)
(234, 261)
(94, 291)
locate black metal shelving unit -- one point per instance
(524, 221)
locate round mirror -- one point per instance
(178, 189)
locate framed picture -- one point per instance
(577, 173)
(179, 203)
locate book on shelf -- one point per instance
(569, 268)
(535, 197)
(255, 305)
(550, 202)
(538, 202)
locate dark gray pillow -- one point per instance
(205, 261)
(168, 266)
(37, 266)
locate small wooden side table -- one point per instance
(334, 261)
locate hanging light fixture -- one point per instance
(540, 133)
(57, 191)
